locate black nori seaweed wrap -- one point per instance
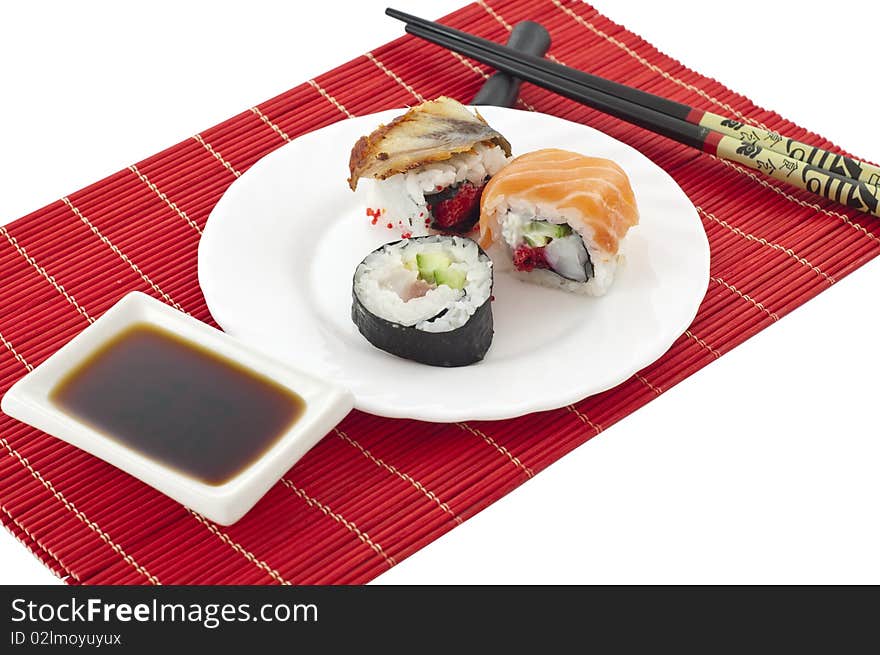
(459, 347)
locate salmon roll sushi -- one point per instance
(558, 219)
(427, 168)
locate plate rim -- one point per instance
(523, 407)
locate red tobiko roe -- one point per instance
(526, 258)
(459, 212)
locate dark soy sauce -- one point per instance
(178, 403)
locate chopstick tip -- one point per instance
(394, 13)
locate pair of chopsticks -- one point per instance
(833, 176)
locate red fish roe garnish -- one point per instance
(374, 220)
(406, 235)
(391, 226)
(528, 259)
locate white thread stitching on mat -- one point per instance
(501, 449)
(21, 527)
(237, 547)
(36, 542)
(494, 14)
(324, 508)
(500, 19)
(485, 76)
(657, 390)
(403, 476)
(76, 512)
(479, 72)
(584, 418)
(705, 345)
(489, 440)
(700, 92)
(745, 296)
(469, 65)
(143, 178)
(207, 146)
(644, 381)
(828, 212)
(23, 460)
(366, 453)
(333, 101)
(267, 121)
(697, 90)
(497, 16)
(241, 550)
(394, 76)
(751, 237)
(42, 271)
(351, 527)
(720, 103)
(119, 253)
(234, 545)
(15, 353)
(632, 53)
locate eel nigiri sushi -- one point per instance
(559, 217)
(428, 167)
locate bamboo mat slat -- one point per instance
(374, 490)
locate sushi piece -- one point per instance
(428, 168)
(558, 218)
(426, 299)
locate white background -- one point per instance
(761, 468)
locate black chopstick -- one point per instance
(637, 96)
(829, 184)
(770, 140)
(656, 121)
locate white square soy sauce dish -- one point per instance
(323, 405)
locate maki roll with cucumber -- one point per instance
(426, 299)
(428, 168)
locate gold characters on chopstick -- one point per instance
(836, 186)
(832, 175)
(772, 140)
(857, 195)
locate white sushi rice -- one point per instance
(513, 223)
(383, 277)
(401, 197)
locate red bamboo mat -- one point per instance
(375, 490)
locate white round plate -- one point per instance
(278, 253)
